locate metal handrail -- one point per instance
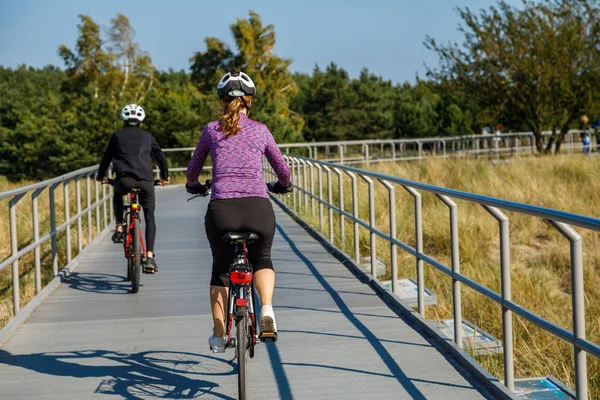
(303, 179)
(413, 148)
(15, 196)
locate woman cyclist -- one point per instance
(239, 200)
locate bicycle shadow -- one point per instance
(98, 283)
(150, 374)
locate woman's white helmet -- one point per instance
(236, 84)
(133, 114)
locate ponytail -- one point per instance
(230, 121)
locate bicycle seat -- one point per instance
(136, 190)
(236, 237)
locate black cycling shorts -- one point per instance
(248, 214)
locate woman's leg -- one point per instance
(220, 218)
(218, 302)
(264, 281)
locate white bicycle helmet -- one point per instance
(133, 114)
(236, 84)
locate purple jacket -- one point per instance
(238, 160)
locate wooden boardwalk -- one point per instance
(338, 340)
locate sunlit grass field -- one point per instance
(540, 263)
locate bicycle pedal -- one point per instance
(268, 337)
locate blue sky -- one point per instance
(385, 36)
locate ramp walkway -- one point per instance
(92, 339)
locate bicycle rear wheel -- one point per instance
(242, 352)
(137, 257)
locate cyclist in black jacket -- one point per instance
(132, 151)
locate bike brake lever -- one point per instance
(199, 195)
(193, 197)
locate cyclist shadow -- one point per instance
(168, 374)
(98, 283)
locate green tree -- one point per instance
(275, 84)
(416, 110)
(535, 65)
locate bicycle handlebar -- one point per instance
(200, 190)
(111, 182)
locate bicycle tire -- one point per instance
(129, 269)
(242, 352)
(129, 250)
(137, 257)
(252, 323)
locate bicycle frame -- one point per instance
(241, 293)
(133, 212)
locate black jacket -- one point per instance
(131, 151)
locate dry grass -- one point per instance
(25, 237)
(540, 264)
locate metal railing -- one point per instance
(383, 150)
(95, 204)
(307, 178)
(374, 150)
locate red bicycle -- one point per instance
(241, 302)
(135, 249)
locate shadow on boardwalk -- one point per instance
(154, 374)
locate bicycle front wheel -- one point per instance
(242, 352)
(137, 257)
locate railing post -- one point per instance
(14, 250)
(355, 215)
(67, 217)
(79, 226)
(89, 207)
(312, 189)
(330, 202)
(420, 144)
(373, 237)
(341, 151)
(578, 300)
(104, 206)
(457, 307)
(97, 195)
(341, 199)
(111, 191)
(507, 326)
(52, 201)
(305, 185)
(419, 247)
(393, 247)
(294, 182)
(320, 196)
(36, 236)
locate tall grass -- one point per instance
(25, 237)
(540, 263)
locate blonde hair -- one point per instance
(230, 120)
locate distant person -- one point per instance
(499, 128)
(132, 151)
(596, 129)
(239, 200)
(584, 134)
(585, 138)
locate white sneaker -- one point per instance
(217, 344)
(267, 320)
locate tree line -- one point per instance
(530, 68)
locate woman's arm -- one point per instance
(276, 160)
(198, 158)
